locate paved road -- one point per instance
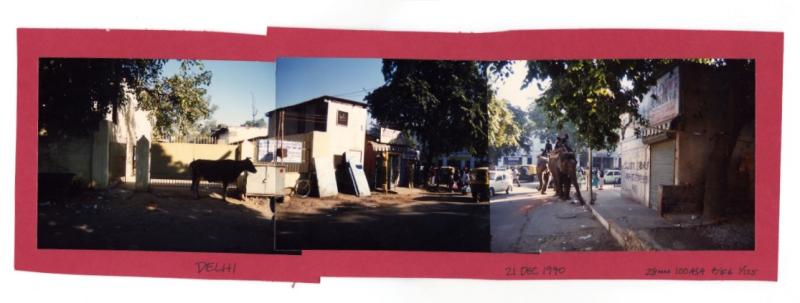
(526, 221)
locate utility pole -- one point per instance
(591, 175)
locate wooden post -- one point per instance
(385, 172)
(100, 146)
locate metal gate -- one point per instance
(662, 169)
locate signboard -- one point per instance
(512, 161)
(661, 103)
(410, 154)
(389, 135)
(266, 151)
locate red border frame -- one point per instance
(766, 48)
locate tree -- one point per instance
(443, 104)
(76, 94)
(255, 123)
(593, 94)
(505, 132)
(527, 135)
(178, 102)
(207, 127)
(544, 129)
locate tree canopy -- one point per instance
(444, 104)
(178, 102)
(593, 94)
(255, 123)
(75, 94)
(505, 127)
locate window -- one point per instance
(341, 118)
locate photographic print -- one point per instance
(145, 154)
(389, 146)
(613, 155)
(270, 158)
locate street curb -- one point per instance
(630, 240)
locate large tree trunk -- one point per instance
(716, 186)
(737, 111)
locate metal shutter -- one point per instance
(662, 168)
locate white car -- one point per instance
(500, 181)
(612, 176)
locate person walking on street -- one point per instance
(464, 178)
(515, 177)
(600, 180)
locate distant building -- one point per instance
(234, 134)
(389, 160)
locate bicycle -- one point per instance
(302, 187)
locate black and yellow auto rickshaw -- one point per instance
(445, 175)
(479, 184)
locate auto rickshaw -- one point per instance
(445, 175)
(479, 184)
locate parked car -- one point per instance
(500, 180)
(612, 176)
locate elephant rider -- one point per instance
(547, 148)
(562, 141)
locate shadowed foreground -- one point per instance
(413, 222)
(164, 220)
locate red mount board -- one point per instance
(765, 48)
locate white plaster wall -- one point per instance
(635, 168)
(350, 137)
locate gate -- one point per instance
(169, 162)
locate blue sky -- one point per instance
(293, 80)
(301, 79)
(231, 85)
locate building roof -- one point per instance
(318, 99)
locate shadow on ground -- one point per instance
(425, 222)
(160, 220)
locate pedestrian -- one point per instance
(457, 179)
(515, 177)
(602, 179)
(432, 177)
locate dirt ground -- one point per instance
(410, 220)
(165, 219)
(734, 234)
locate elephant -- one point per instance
(542, 173)
(563, 170)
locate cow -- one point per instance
(225, 171)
